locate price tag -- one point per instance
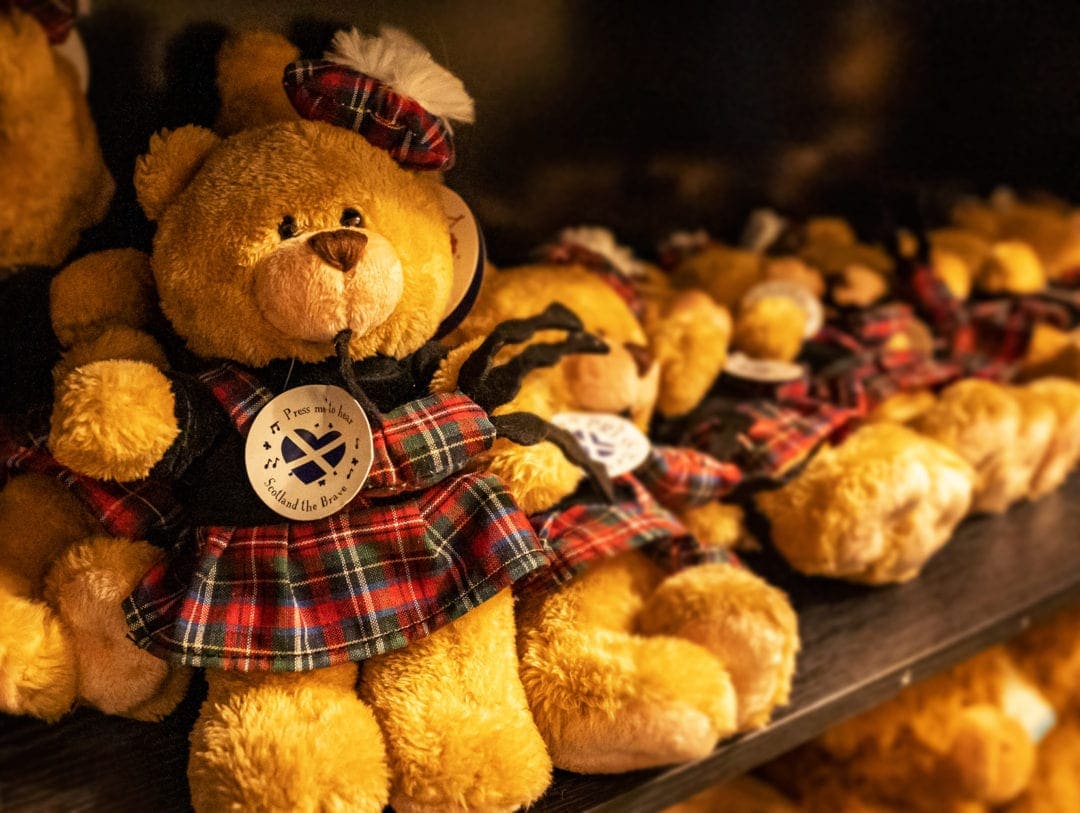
(614, 442)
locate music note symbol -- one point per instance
(275, 427)
(271, 463)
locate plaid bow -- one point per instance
(56, 16)
(322, 90)
(575, 254)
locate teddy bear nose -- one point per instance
(641, 355)
(341, 248)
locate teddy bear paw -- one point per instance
(746, 623)
(281, 748)
(113, 420)
(37, 661)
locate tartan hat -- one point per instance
(56, 16)
(389, 90)
(594, 248)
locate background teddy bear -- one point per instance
(239, 221)
(55, 185)
(598, 653)
(53, 525)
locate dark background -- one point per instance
(653, 117)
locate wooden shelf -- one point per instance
(860, 646)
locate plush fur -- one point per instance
(55, 183)
(873, 508)
(624, 668)
(442, 725)
(948, 743)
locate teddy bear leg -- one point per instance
(745, 622)
(459, 732)
(287, 742)
(606, 699)
(87, 586)
(38, 520)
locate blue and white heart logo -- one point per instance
(309, 451)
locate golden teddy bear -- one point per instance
(441, 723)
(626, 666)
(963, 740)
(56, 185)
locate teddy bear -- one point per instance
(56, 529)
(963, 740)
(793, 410)
(55, 185)
(627, 664)
(309, 548)
(1049, 655)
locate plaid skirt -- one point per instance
(582, 534)
(364, 581)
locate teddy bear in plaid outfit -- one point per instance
(643, 644)
(310, 252)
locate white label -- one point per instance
(772, 371)
(614, 442)
(73, 50)
(309, 451)
(466, 245)
(800, 295)
(1025, 704)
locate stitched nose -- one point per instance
(643, 359)
(342, 248)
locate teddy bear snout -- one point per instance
(342, 248)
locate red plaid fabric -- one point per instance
(57, 17)
(421, 545)
(585, 533)
(575, 254)
(127, 510)
(367, 580)
(680, 477)
(321, 90)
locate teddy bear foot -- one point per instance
(747, 624)
(448, 750)
(287, 743)
(37, 660)
(608, 700)
(87, 585)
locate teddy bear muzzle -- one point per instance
(313, 287)
(623, 381)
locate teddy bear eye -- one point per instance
(287, 227)
(351, 217)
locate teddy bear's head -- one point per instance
(55, 183)
(275, 240)
(623, 381)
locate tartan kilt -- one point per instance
(306, 595)
(583, 534)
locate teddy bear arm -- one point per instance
(121, 420)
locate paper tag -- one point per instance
(309, 451)
(801, 296)
(772, 371)
(1026, 704)
(467, 244)
(614, 442)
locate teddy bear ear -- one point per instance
(174, 158)
(249, 68)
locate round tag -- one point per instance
(1025, 703)
(767, 370)
(309, 451)
(614, 442)
(467, 244)
(810, 305)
